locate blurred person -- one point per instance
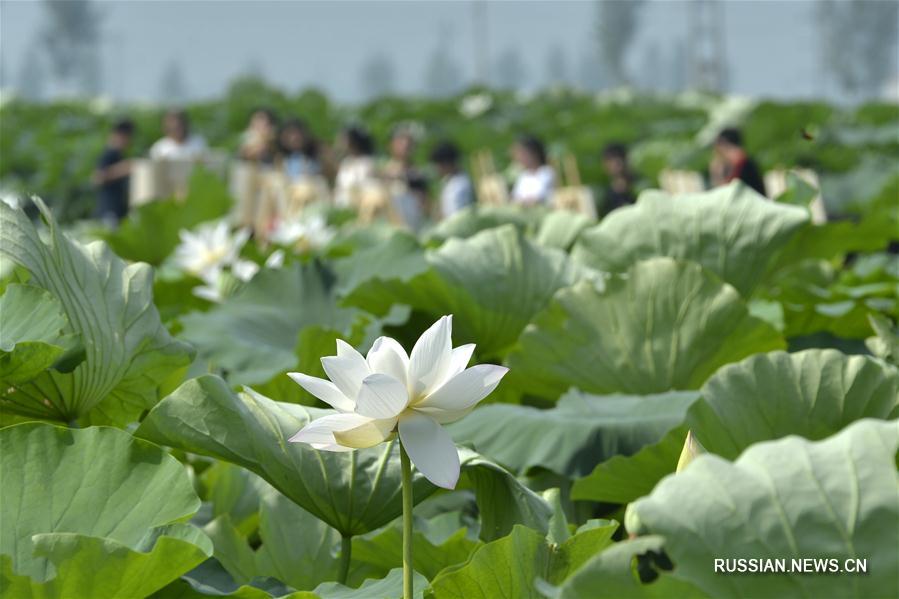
(178, 143)
(621, 190)
(456, 191)
(259, 143)
(730, 161)
(357, 165)
(299, 150)
(412, 202)
(113, 173)
(400, 165)
(535, 182)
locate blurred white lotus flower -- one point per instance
(312, 232)
(211, 289)
(389, 391)
(11, 199)
(219, 283)
(275, 259)
(474, 105)
(101, 105)
(206, 251)
(244, 270)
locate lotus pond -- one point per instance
(691, 380)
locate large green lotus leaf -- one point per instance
(561, 228)
(885, 342)
(813, 394)
(817, 297)
(235, 491)
(71, 495)
(210, 579)
(150, 232)
(624, 478)
(510, 566)
(837, 238)
(128, 352)
(732, 231)
(371, 276)
(666, 325)
(354, 492)
(503, 502)
(232, 550)
(252, 335)
(384, 549)
(98, 567)
(354, 239)
(474, 219)
(315, 341)
(786, 499)
(575, 435)
(493, 282)
(174, 297)
(612, 575)
(297, 548)
(182, 589)
(389, 587)
(33, 338)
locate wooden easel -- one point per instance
(303, 192)
(491, 187)
(572, 195)
(677, 182)
(244, 182)
(158, 179)
(373, 201)
(776, 184)
(271, 201)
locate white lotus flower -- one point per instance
(219, 283)
(211, 247)
(275, 260)
(11, 199)
(244, 270)
(474, 105)
(388, 391)
(211, 289)
(313, 232)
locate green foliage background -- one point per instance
(51, 149)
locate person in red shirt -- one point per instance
(731, 162)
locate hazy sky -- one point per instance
(770, 45)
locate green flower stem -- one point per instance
(407, 523)
(346, 550)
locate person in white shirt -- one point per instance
(358, 165)
(178, 143)
(537, 179)
(456, 190)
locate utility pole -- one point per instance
(116, 45)
(481, 51)
(708, 59)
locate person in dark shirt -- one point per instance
(112, 174)
(620, 190)
(732, 162)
